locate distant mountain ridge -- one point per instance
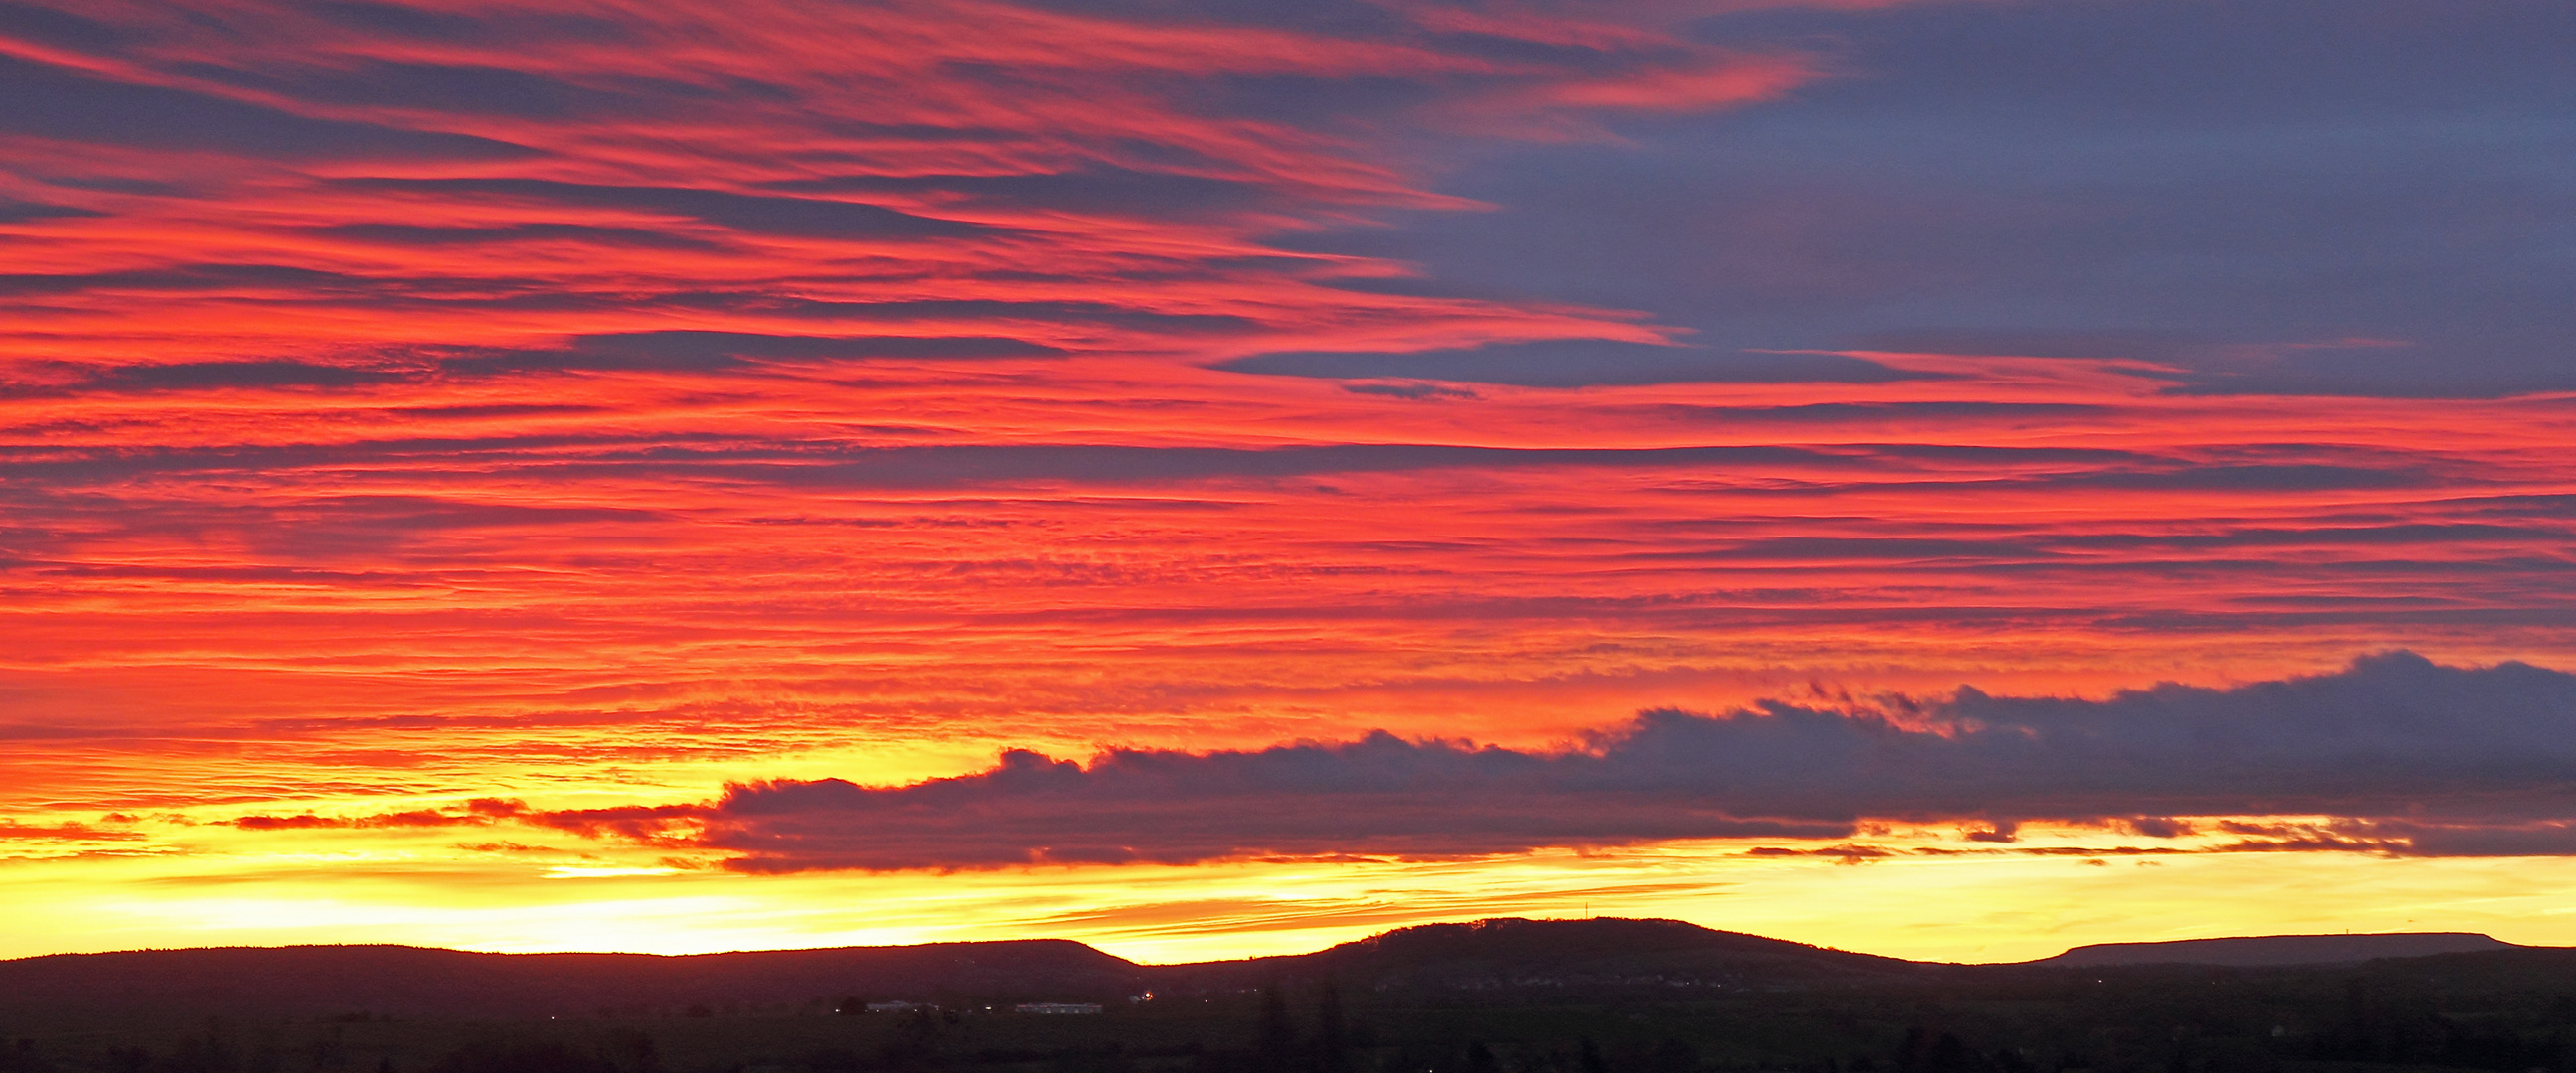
(2268, 950)
(1603, 950)
(419, 981)
(1500, 953)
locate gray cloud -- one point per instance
(195, 278)
(1827, 413)
(400, 20)
(416, 236)
(1571, 363)
(58, 28)
(980, 309)
(2424, 758)
(463, 89)
(205, 375)
(707, 351)
(51, 102)
(1098, 188)
(1417, 391)
(2335, 197)
(981, 465)
(14, 211)
(697, 351)
(748, 213)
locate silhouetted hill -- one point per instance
(1508, 960)
(1527, 996)
(2263, 950)
(1512, 952)
(414, 981)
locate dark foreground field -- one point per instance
(1602, 996)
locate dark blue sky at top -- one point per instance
(2338, 197)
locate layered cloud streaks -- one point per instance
(518, 421)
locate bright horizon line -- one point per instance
(1258, 957)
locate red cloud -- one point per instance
(393, 395)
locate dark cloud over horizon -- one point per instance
(2406, 755)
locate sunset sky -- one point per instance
(1945, 478)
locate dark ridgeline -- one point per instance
(416, 981)
(1510, 952)
(2280, 949)
(1498, 996)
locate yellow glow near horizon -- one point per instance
(481, 519)
(1999, 907)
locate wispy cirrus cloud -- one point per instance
(465, 157)
(580, 406)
